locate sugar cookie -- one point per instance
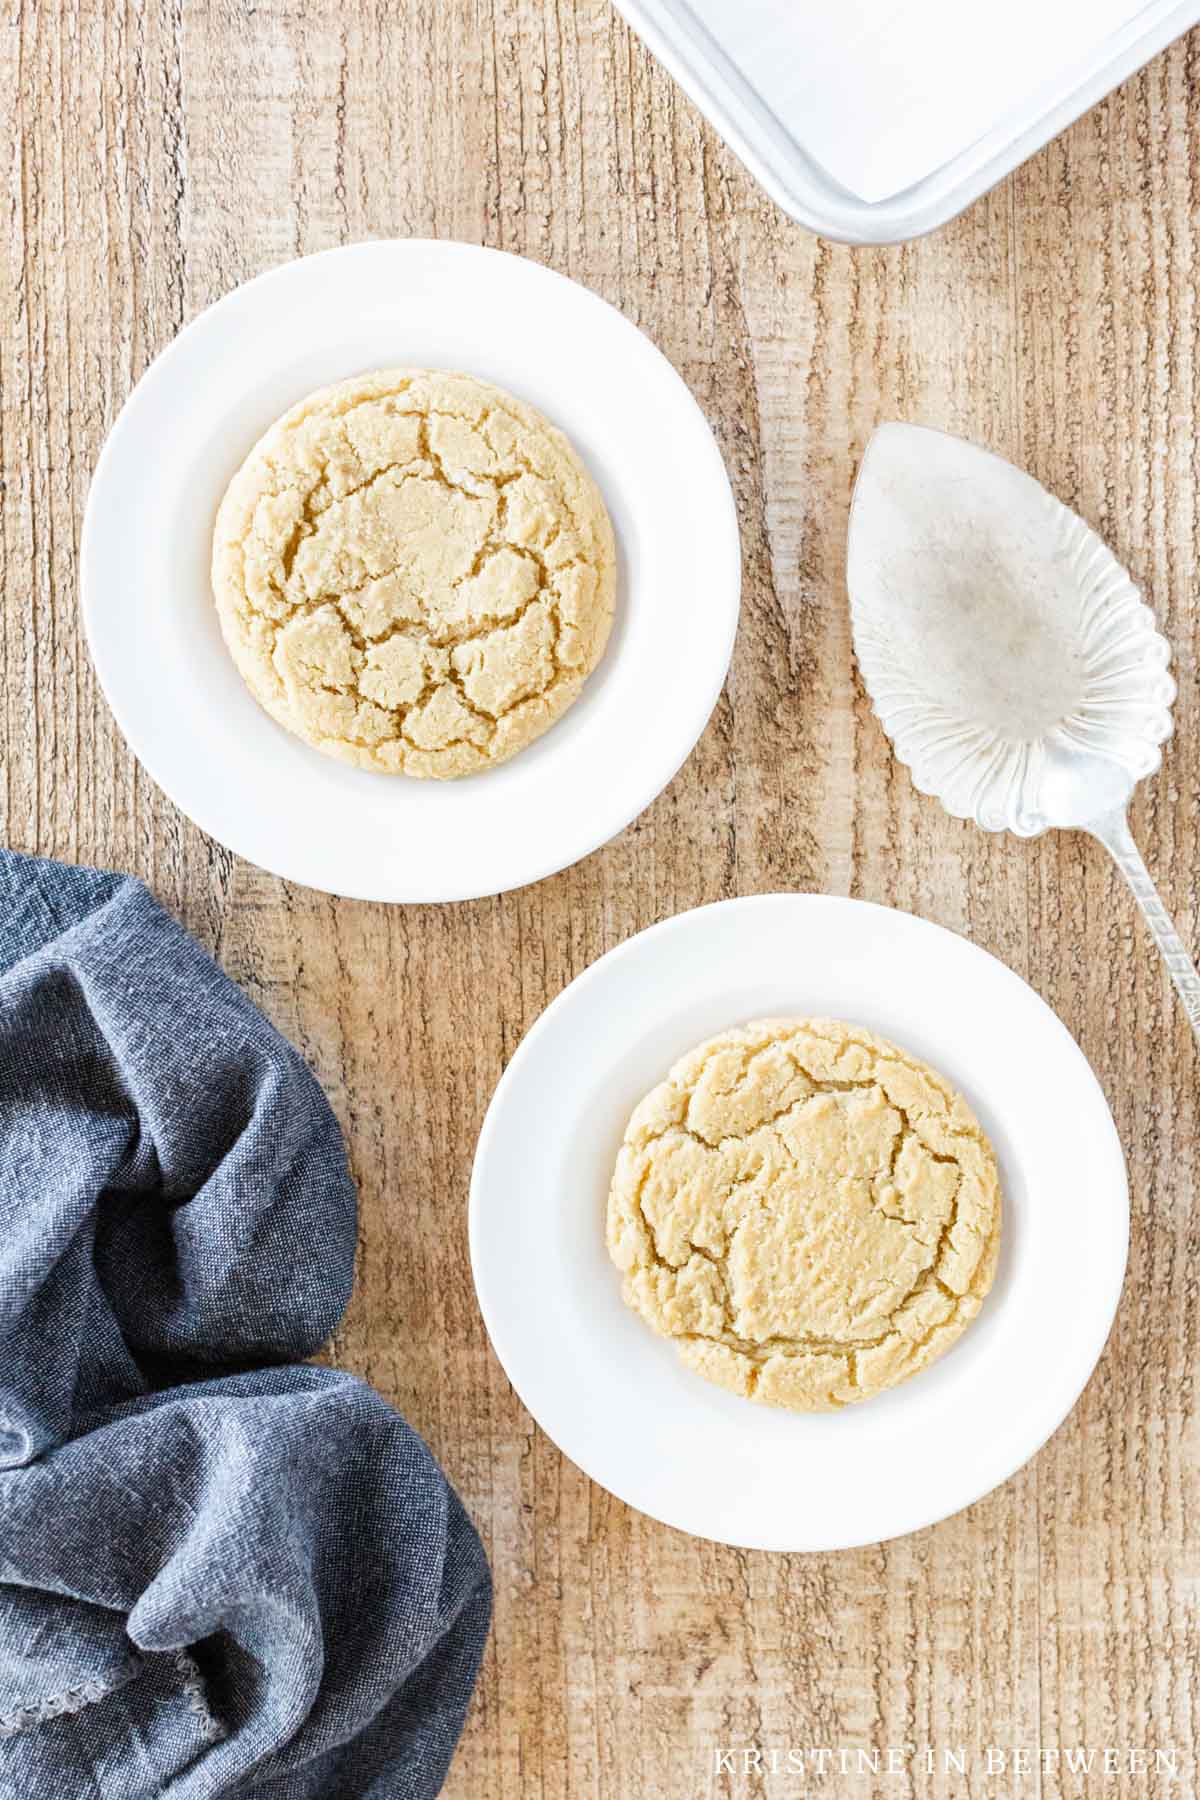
(809, 1212)
(414, 572)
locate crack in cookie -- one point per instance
(811, 1214)
(414, 571)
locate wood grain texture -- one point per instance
(165, 151)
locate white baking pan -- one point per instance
(874, 121)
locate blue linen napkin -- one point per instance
(217, 1573)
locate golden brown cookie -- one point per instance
(414, 571)
(808, 1211)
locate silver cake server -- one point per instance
(1007, 653)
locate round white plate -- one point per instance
(615, 1397)
(152, 625)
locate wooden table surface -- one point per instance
(169, 150)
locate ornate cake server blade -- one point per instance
(1007, 653)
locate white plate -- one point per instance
(615, 1397)
(875, 123)
(152, 625)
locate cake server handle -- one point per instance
(1112, 829)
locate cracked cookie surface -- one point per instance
(812, 1214)
(414, 571)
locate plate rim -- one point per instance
(726, 527)
(1114, 1149)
